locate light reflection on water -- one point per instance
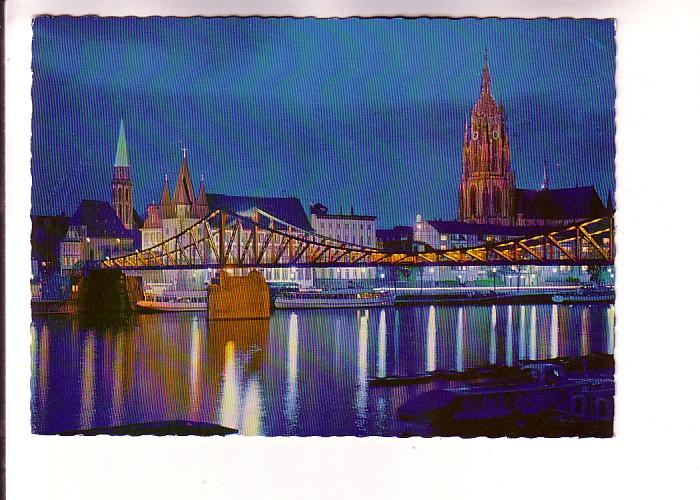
(299, 373)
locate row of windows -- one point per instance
(361, 273)
(347, 226)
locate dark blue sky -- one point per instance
(362, 112)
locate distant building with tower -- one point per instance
(97, 229)
(487, 191)
(491, 207)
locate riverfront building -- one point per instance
(183, 209)
(349, 228)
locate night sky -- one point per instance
(367, 113)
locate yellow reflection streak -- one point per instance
(230, 394)
(252, 409)
(87, 385)
(43, 366)
(118, 382)
(195, 369)
(34, 350)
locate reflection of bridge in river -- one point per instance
(223, 240)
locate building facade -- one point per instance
(344, 228)
(486, 187)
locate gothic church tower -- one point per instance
(487, 185)
(122, 186)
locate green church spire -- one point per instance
(122, 157)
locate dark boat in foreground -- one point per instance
(548, 403)
(162, 428)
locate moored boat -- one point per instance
(173, 301)
(584, 296)
(317, 299)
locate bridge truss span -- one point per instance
(223, 240)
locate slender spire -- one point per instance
(486, 75)
(121, 159)
(202, 196)
(165, 198)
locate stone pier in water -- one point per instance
(239, 297)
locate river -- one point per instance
(300, 373)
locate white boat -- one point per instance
(317, 299)
(159, 299)
(585, 296)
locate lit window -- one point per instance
(443, 237)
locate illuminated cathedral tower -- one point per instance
(486, 191)
(122, 186)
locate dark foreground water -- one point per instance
(299, 373)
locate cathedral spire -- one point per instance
(486, 75)
(121, 159)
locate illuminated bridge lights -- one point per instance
(235, 241)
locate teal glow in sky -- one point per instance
(367, 113)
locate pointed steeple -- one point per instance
(202, 196)
(184, 191)
(486, 75)
(165, 197)
(121, 159)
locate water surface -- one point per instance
(298, 373)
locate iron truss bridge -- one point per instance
(223, 240)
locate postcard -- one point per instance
(323, 227)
